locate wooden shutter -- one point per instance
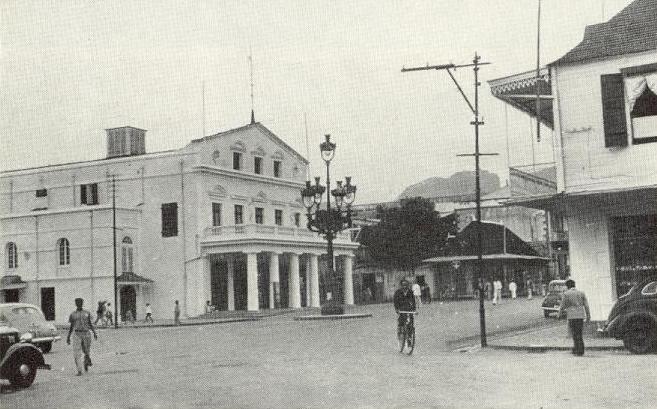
(94, 193)
(613, 110)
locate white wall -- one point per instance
(586, 162)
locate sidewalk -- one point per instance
(554, 338)
(170, 323)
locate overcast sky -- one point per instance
(70, 69)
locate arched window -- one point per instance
(12, 255)
(64, 252)
(127, 255)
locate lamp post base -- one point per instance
(332, 307)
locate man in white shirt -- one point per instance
(417, 292)
(513, 287)
(497, 288)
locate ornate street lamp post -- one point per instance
(331, 221)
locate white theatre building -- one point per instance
(219, 220)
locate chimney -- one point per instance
(125, 141)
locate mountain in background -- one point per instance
(459, 184)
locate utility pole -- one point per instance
(475, 110)
(116, 314)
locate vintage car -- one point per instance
(19, 361)
(552, 299)
(634, 318)
(31, 324)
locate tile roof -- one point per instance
(632, 30)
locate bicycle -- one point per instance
(406, 339)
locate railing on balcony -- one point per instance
(266, 231)
(533, 180)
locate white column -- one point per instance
(206, 271)
(348, 281)
(274, 279)
(230, 274)
(314, 280)
(293, 283)
(307, 282)
(252, 281)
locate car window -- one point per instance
(650, 288)
(27, 312)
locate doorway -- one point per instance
(128, 301)
(48, 303)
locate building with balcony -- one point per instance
(600, 100)
(218, 220)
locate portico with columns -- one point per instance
(255, 274)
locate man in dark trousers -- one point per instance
(404, 300)
(576, 306)
(80, 326)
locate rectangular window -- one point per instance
(42, 193)
(239, 214)
(297, 219)
(257, 165)
(216, 214)
(259, 215)
(89, 194)
(169, 219)
(278, 217)
(641, 98)
(277, 168)
(237, 161)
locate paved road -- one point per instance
(281, 363)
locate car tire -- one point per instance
(640, 339)
(45, 347)
(22, 371)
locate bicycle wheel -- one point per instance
(410, 340)
(401, 339)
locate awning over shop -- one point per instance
(502, 256)
(520, 91)
(12, 282)
(132, 279)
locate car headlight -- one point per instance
(27, 337)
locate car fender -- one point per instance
(21, 349)
(634, 316)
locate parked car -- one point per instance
(19, 361)
(634, 318)
(31, 324)
(553, 297)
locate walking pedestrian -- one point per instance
(176, 314)
(417, 292)
(489, 290)
(530, 289)
(513, 287)
(497, 291)
(576, 306)
(149, 313)
(80, 321)
(100, 312)
(109, 320)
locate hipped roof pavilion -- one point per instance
(498, 243)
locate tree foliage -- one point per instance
(407, 235)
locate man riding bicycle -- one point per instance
(404, 300)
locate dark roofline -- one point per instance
(127, 126)
(630, 31)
